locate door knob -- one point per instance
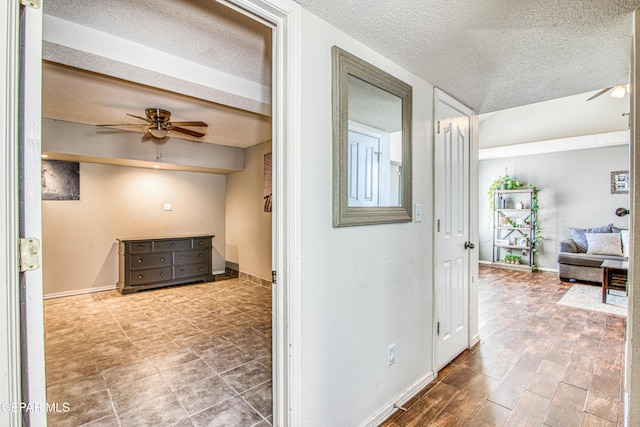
(469, 245)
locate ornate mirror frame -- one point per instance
(345, 65)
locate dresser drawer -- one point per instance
(138, 262)
(190, 270)
(171, 245)
(201, 243)
(139, 247)
(190, 257)
(149, 276)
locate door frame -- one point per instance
(285, 16)
(632, 362)
(472, 303)
(10, 364)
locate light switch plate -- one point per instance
(168, 207)
(418, 212)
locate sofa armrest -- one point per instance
(568, 246)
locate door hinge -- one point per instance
(438, 328)
(274, 277)
(34, 4)
(29, 257)
(438, 226)
(438, 126)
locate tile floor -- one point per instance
(197, 355)
(537, 364)
(201, 355)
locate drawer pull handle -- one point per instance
(181, 256)
(201, 243)
(140, 247)
(139, 260)
(162, 274)
(181, 271)
(172, 245)
(201, 269)
(200, 255)
(161, 259)
(139, 276)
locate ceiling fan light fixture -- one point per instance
(159, 132)
(619, 91)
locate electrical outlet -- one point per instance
(391, 354)
(168, 207)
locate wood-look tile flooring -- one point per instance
(537, 364)
(196, 355)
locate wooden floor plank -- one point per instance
(538, 363)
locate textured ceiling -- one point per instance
(201, 31)
(109, 58)
(489, 54)
(495, 54)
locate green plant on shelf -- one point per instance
(512, 259)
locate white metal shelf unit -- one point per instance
(513, 227)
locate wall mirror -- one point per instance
(371, 144)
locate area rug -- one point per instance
(589, 297)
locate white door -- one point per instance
(451, 252)
(22, 354)
(364, 169)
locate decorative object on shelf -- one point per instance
(620, 182)
(513, 221)
(512, 259)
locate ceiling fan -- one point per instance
(616, 91)
(159, 126)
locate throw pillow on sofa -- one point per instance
(578, 235)
(604, 244)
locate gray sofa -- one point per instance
(574, 263)
(579, 266)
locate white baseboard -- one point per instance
(388, 410)
(79, 292)
(474, 340)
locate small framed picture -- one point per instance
(620, 182)
(521, 241)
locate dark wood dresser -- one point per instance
(154, 262)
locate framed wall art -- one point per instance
(620, 182)
(60, 180)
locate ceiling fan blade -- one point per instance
(603, 91)
(146, 136)
(200, 124)
(122, 124)
(187, 131)
(141, 118)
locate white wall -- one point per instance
(365, 287)
(79, 237)
(248, 226)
